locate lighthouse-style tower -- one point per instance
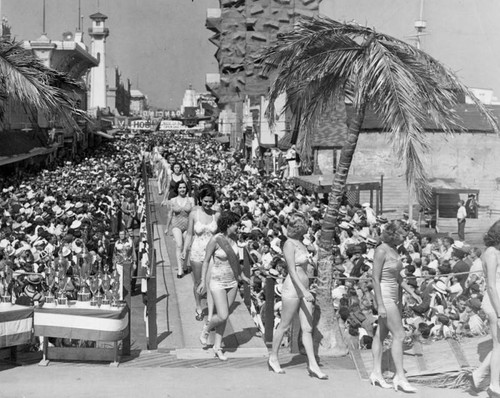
(98, 32)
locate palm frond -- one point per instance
(322, 61)
(24, 78)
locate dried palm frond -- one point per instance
(25, 79)
(451, 380)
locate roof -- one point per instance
(98, 15)
(136, 93)
(450, 185)
(332, 128)
(469, 116)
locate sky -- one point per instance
(162, 45)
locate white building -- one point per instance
(138, 102)
(98, 32)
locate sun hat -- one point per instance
(66, 251)
(366, 204)
(345, 225)
(75, 224)
(440, 286)
(371, 241)
(458, 245)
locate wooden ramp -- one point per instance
(428, 357)
(176, 306)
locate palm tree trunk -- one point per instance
(327, 335)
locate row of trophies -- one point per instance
(97, 289)
(94, 287)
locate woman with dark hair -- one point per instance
(491, 306)
(179, 208)
(222, 258)
(202, 225)
(295, 296)
(176, 177)
(387, 284)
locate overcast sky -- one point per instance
(162, 45)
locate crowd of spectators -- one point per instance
(447, 275)
(78, 208)
(54, 222)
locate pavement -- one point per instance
(180, 367)
(101, 381)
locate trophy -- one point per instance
(93, 283)
(50, 280)
(62, 280)
(106, 284)
(83, 295)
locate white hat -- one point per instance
(440, 286)
(66, 251)
(75, 224)
(366, 204)
(345, 225)
(458, 245)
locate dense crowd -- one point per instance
(76, 211)
(60, 227)
(447, 276)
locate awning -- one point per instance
(103, 134)
(450, 185)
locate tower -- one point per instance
(98, 32)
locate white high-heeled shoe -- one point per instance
(404, 385)
(219, 354)
(374, 380)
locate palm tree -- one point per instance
(322, 61)
(26, 80)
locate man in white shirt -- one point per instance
(461, 217)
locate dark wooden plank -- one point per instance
(81, 354)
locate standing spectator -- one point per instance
(471, 206)
(124, 260)
(461, 217)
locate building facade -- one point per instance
(242, 28)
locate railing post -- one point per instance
(151, 281)
(269, 314)
(246, 271)
(127, 296)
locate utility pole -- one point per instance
(44, 32)
(420, 26)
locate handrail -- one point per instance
(151, 281)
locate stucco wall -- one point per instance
(471, 159)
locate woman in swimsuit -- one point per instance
(491, 306)
(387, 284)
(295, 296)
(178, 215)
(202, 225)
(222, 258)
(175, 178)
